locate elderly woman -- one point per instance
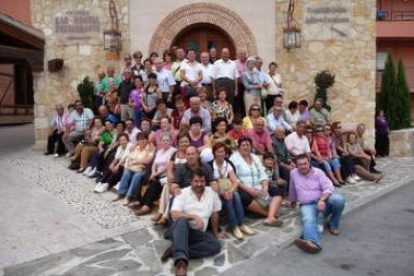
(252, 84)
(221, 107)
(253, 114)
(220, 135)
(254, 190)
(178, 112)
(135, 100)
(361, 159)
(136, 165)
(113, 173)
(228, 183)
(158, 176)
(86, 148)
(165, 126)
(274, 87)
(292, 114)
(202, 94)
(198, 138)
(324, 152)
(177, 159)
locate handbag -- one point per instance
(263, 201)
(224, 184)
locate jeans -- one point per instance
(191, 243)
(135, 178)
(332, 165)
(234, 210)
(137, 117)
(309, 217)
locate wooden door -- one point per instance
(203, 37)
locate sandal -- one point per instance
(157, 217)
(273, 223)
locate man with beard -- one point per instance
(191, 212)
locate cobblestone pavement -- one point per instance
(128, 245)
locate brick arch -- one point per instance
(227, 20)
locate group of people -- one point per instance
(174, 130)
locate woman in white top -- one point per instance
(177, 159)
(254, 189)
(113, 173)
(158, 176)
(274, 87)
(224, 172)
(292, 114)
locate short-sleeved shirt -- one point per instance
(81, 121)
(164, 80)
(182, 176)
(191, 71)
(188, 203)
(321, 117)
(105, 87)
(135, 97)
(297, 145)
(262, 140)
(109, 137)
(250, 174)
(162, 157)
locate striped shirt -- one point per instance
(81, 121)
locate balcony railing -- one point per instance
(395, 15)
(409, 75)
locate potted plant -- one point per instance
(323, 80)
(85, 90)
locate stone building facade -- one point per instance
(345, 46)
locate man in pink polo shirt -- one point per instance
(260, 136)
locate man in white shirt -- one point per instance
(131, 130)
(208, 74)
(81, 118)
(297, 143)
(191, 74)
(275, 119)
(225, 75)
(165, 80)
(191, 211)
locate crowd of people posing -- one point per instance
(168, 127)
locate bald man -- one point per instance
(57, 128)
(196, 110)
(225, 75)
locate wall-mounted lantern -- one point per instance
(291, 33)
(112, 37)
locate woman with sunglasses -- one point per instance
(254, 113)
(325, 153)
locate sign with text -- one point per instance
(77, 26)
(329, 19)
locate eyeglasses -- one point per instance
(138, 57)
(255, 109)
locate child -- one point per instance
(237, 131)
(278, 185)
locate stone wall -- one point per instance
(349, 54)
(80, 59)
(402, 142)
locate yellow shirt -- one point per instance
(138, 154)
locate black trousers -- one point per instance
(238, 105)
(382, 144)
(153, 193)
(228, 84)
(54, 138)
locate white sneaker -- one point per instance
(88, 170)
(97, 187)
(91, 173)
(56, 155)
(68, 154)
(351, 180)
(103, 188)
(357, 178)
(117, 186)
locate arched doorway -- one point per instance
(203, 37)
(187, 16)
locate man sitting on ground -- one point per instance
(191, 212)
(318, 114)
(315, 193)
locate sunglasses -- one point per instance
(255, 109)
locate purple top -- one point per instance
(381, 126)
(199, 142)
(135, 97)
(304, 116)
(309, 188)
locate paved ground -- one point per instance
(55, 225)
(374, 241)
